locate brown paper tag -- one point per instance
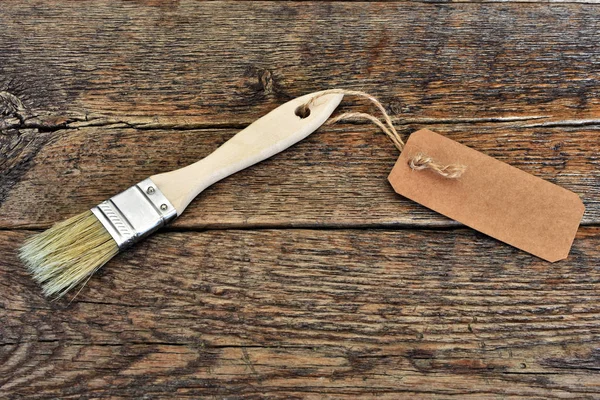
(492, 197)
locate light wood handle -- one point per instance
(267, 136)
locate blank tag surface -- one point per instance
(492, 197)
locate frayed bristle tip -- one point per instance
(65, 255)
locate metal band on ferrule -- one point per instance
(135, 213)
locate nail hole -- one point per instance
(303, 111)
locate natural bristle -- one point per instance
(65, 255)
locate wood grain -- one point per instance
(188, 63)
(304, 313)
(335, 287)
(335, 178)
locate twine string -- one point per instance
(417, 162)
(420, 161)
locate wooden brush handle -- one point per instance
(267, 136)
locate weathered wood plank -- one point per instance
(224, 63)
(303, 313)
(96, 97)
(336, 177)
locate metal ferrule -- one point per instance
(135, 213)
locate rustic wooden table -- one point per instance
(305, 276)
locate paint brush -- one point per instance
(68, 253)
